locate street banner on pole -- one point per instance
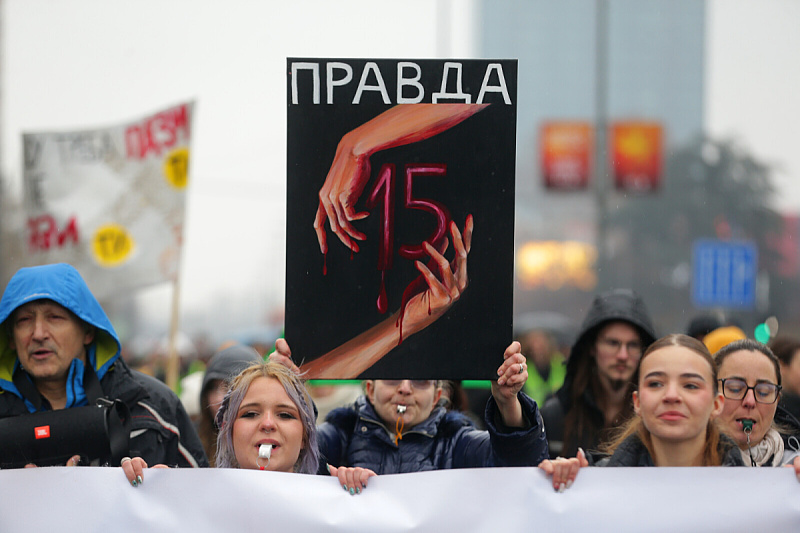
(110, 201)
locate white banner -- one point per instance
(110, 201)
(617, 500)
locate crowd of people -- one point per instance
(628, 398)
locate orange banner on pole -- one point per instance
(566, 154)
(636, 155)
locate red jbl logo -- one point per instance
(42, 432)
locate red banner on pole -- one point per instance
(566, 154)
(636, 155)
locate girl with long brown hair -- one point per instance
(676, 403)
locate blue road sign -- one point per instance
(724, 274)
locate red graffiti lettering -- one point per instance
(44, 233)
(157, 133)
(70, 232)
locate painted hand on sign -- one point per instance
(350, 170)
(429, 296)
(440, 284)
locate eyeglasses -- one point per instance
(416, 383)
(736, 389)
(613, 346)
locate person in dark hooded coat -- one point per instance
(596, 395)
(224, 365)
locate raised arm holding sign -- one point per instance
(398, 426)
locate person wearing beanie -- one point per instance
(224, 364)
(703, 324)
(721, 337)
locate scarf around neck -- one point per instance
(770, 447)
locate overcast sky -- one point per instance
(77, 64)
(753, 84)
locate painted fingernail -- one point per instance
(569, 483)
(344, 487)
(133, 483)
(562, 487)
(352, 491)
(358, 490)
(139, 480)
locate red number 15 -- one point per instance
(383, 192)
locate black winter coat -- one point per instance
(356, 436)
(632, 452)
(161, 431)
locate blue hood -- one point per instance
(62, 284)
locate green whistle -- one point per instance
(747, 425)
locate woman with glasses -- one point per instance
(750, 380)
(676, 402)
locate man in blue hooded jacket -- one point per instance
(58, 350)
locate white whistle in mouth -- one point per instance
(401, 409)
(264, 451)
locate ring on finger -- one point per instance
(521, 368)
(124, 460)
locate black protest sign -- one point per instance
(400, 216)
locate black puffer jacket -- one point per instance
(789, 430)
(788, 413)
(161, 431)
(615, 305)
(632, 452)
(356, 436)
